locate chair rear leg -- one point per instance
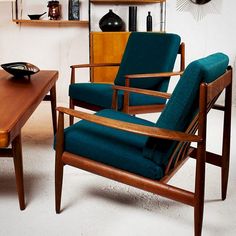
(224, 180)
(71, 107)
(226, 142)
(225, 168)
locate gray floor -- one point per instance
(93, 205)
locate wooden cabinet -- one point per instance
(106, 47)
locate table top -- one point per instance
(18, 100)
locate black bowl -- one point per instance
(19, 69)
(36, 16)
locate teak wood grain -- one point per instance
(19, 99)
(130, 127)
(106, 47)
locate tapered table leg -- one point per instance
(17, 157)
(53, 108)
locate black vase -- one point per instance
(200, 2)
(111, 22)
(132, 18)
(149, 22)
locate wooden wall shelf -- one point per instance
(127, 1)
(53, 22)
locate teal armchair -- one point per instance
(146, 155)
(144, 53)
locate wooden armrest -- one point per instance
(153, 75)
(134, 128)
(94, 65)
(143, 91)
(73, 67)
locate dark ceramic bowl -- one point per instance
(36, 16)
(20, 69)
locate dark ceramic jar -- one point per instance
(200, 2)
(54, 11)
(111, 22)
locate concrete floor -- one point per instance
(93, 205)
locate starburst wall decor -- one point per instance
(199, 8)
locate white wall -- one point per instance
(57, 47)
(48, 47)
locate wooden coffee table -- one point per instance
(18, 100)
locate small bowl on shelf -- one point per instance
(36, 16)
(20, 69)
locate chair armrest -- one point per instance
(153, 75)
(93, 65)
(134, 128)
(73, 67)
(143, 91)
(140, 76)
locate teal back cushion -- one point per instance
(183, 104)
(148, 52)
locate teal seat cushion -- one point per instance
(113, 147)
(140, 99)
(94, 93)
(183, 104)
(136, 99)
(101, 95)
(148, 52)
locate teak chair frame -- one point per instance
(208, 96)
(126, 108)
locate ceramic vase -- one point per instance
(111, 22)
(132, 18)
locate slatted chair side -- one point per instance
(182, 152)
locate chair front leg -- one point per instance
(71, 107)
(200, 163)
(58, 163)
(126, 97)
(114, 104)
(199, 189)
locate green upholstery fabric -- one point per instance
(183, 104)
(146, 52)
(101, 95)
(110, 146)
(94, 93)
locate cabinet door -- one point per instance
(106, 47)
